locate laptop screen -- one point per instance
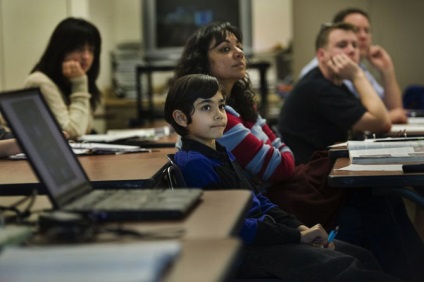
(44, 144)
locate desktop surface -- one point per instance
(222, 210)
(210, 249)
(394, 182)
(109, 171)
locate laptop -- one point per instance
(60, 172)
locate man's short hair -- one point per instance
(341, 15)
(322, 37)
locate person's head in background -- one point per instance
(217, 50)
(73, 50)
(337, 38)
(334, 44)
(195, 108)
(361, 20)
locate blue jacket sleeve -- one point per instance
(266, 224)
(259, 226)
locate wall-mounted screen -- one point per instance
(167, 24)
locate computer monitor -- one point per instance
(167, 24)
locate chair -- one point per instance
(174, 175)
(413, 97)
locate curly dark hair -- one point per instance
(70, 34)
(194, 59)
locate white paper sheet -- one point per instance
(356, 167)
(144, 261)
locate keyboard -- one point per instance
(151, 199)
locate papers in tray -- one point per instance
(91, 148)
(369, 167)
(114, 135)
(415, 124)
(384, 152)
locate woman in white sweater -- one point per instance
(66, 75)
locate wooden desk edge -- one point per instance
(206, 260)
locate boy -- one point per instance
(277, 244)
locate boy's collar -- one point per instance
(192, 145)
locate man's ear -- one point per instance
(320, 54)
(180, 118)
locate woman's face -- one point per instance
(226, 60)
(83, 55)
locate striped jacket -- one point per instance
(258, 150)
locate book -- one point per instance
(113, 135)
(106, 262)
(388, 152)
(92, 148)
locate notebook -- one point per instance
(60, 172)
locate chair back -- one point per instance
(413, 97)
(174, 175)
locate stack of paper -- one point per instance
(385, 152)
(102, 148)
(122, 134)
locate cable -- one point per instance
(158, 233)
(18, 216)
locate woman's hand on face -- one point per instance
(72, 69)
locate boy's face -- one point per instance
(208, 120)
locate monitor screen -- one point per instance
(167, 24)
(44, 144)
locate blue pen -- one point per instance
(331, 236)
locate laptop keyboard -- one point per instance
(154, 199)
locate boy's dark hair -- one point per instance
(322, 37)
(341, 15)
(182, 94)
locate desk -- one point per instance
(148, 70)
(218, 215)
(209, 254)
(386, 182)
(104, 171)
(407, 130)
(205, 260)
(163, 142)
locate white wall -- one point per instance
(26, 26)
(272, 24)
(24, 31)
(396, 25)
